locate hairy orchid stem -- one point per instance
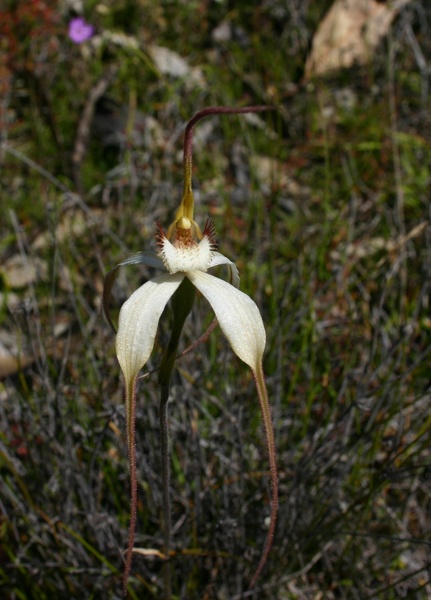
(272, 457)
(206, 112)
(187, 202)
(182, 302)
(131, 448)
(166, 476)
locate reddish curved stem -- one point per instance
(207, 112)
(272, 457)
(131, 447)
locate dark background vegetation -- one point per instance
(323, 205)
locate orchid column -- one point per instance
(186, 254)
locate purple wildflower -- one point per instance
(79, 30)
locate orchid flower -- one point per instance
(185, 254)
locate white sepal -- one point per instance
(138, 321)
(237, 314)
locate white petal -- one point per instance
(237, 314)
(138, 321)
(220, 259)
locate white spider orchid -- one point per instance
(237, 314)
(186, 255)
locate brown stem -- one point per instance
(206, 112)
(131, 445)
(201, 339)
(270, 442)
(181, 302)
